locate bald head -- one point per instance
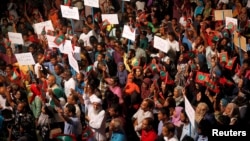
(51, 80)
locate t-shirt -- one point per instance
(74, 126)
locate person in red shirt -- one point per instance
(148, 132)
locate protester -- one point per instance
(113, 69)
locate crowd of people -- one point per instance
(125, 89)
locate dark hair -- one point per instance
(117, 108)
(187, 138)
(150, 121)
(132, 51)
(170, 126)
(165, 111)
(71, 108)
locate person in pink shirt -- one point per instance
(115, 88)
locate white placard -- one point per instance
(73, 63)
(111, 18)
(77, 52)
(66, 47)
(232, 20)
(125, 0)
(51, 42)
(128, 33)
(16, 38)
(190, 111)
(25, 58)
(92, 3)
(38, 27)
(70, 12)
(161, 44)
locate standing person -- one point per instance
(118, 133)
(148, 132)
(146, 110)
(96, 118)
(69, 82)
(72, 124)
(163, 117)
(168, 133)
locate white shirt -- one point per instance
(186, 131)
(70, 84)
(98, 123)
(139, 116)
(36, 69)
(85, 38)
(174, 45)
(183, 22)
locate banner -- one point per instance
(38, 27)
(92, 3)
(128, 33)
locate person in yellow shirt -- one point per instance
(130, 60)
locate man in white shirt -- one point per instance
(86, 33)
(96, 118)
(69, 82)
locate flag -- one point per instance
(190, 55)
(65, 137)
(201, 77)
(212, 86)
(230, 63)
(67, 2)
(168, 79)
(162, 75)
(59, 40)
(247, 75)
(153, 68)
(224, 81)
(136, 63)
(15, 75)
(223, 57)
(237, 69)
(43, 31)
(51, 33)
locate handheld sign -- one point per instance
(161, 44)
(92, 3)
(51, 42)
(38, 27)
(70, 12)
(16, 38)
(231, 24)
(73, 63)
(66, 47)
(190, 111)
(128, 33)
(25, 58)
(111, 18)
(221, 14)
(240, 41)
(77, 52)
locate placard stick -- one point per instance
(240, 53)
(122, 7)
(93, 16)
(72, 25)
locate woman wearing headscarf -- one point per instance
(145, 88)
(232, 111)
(176, 117)
(199, 9)
(122, 74)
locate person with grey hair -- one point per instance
(178, 96)
(117, 131)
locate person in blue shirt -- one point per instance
(117, 132)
